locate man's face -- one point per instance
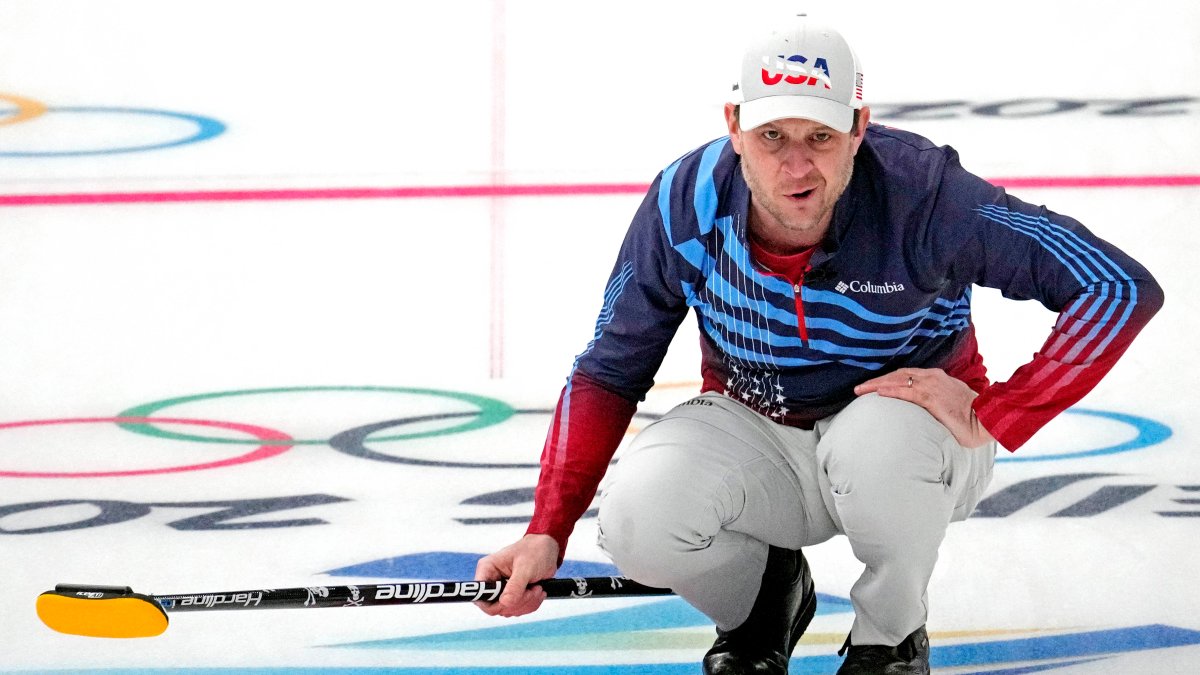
(796, 170)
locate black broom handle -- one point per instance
(410, 593)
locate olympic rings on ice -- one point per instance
(353, 442)
(271, 443)
(28, 110)
(489, 412)
(485, 412)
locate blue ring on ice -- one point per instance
(1149, 433)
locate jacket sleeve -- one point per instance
(589, 423)
(642, 310)
(1103, 297)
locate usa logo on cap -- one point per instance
(791, 70)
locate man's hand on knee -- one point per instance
(947, 398)
(533, 558)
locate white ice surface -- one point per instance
(106, 307)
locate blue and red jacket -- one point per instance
(889, 287)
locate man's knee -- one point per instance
(882, 440)
(652, 511)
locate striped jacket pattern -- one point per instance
(889, 287)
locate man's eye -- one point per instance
(772, 135)
(822, 136)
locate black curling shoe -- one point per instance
(910, 657)
(784, 607)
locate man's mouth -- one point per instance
(802, 195)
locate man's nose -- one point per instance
(797, 160)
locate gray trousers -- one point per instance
(699, 495)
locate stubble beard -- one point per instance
(815, 225)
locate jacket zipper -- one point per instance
(800, 307)
(799, 303)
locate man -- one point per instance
(830, 264)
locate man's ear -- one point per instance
(864, 119)
(859, 132)
(733, 126)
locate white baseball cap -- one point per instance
(803, 69)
